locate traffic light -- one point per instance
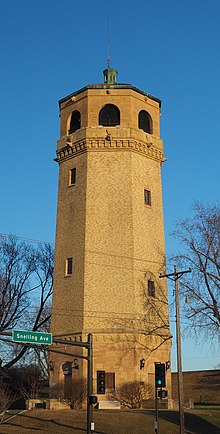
(101, 382)
(160, 380)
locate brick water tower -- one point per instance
(110, 235)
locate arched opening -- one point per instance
(75, 122)
(145, 122)
(109, 116)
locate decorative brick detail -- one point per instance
(145, 149)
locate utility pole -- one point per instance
(175, 277)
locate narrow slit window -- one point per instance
(147, 197)
(69, 266)
(72, 176)
(151, 288)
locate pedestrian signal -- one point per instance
(162, 394)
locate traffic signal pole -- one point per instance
(90, 423)
(156, 427)
(160, 382)
(175, 277)
(91, 399)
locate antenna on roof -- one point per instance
(110, 74)
(108, 60)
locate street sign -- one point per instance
(29, 337)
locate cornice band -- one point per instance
(87, 145)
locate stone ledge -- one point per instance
(109, 405)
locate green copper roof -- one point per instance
(110, 75)
(110, 86)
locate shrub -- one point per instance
(132, 394)
(73, 393)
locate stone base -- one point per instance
(48, 404)
(33, 404)
(56, 404)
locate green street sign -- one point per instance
(32, 337)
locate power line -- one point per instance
(29, 240)
(90, 313)
(95, 252)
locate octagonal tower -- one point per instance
(110, 234)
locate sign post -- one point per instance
(32, 338)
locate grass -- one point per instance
(207, 406)
(111, 422)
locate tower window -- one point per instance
(151, 288)
(75, 122)
(72, 176)
(145, 121)
(109, 116)
(147, 197)
(69, 266)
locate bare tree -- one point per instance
(25, 380)
(41, 352)
(199, 239)
(17, 263)
(6, 399)
(26, 283)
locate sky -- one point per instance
(169, 49)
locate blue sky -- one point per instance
(50, 48)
